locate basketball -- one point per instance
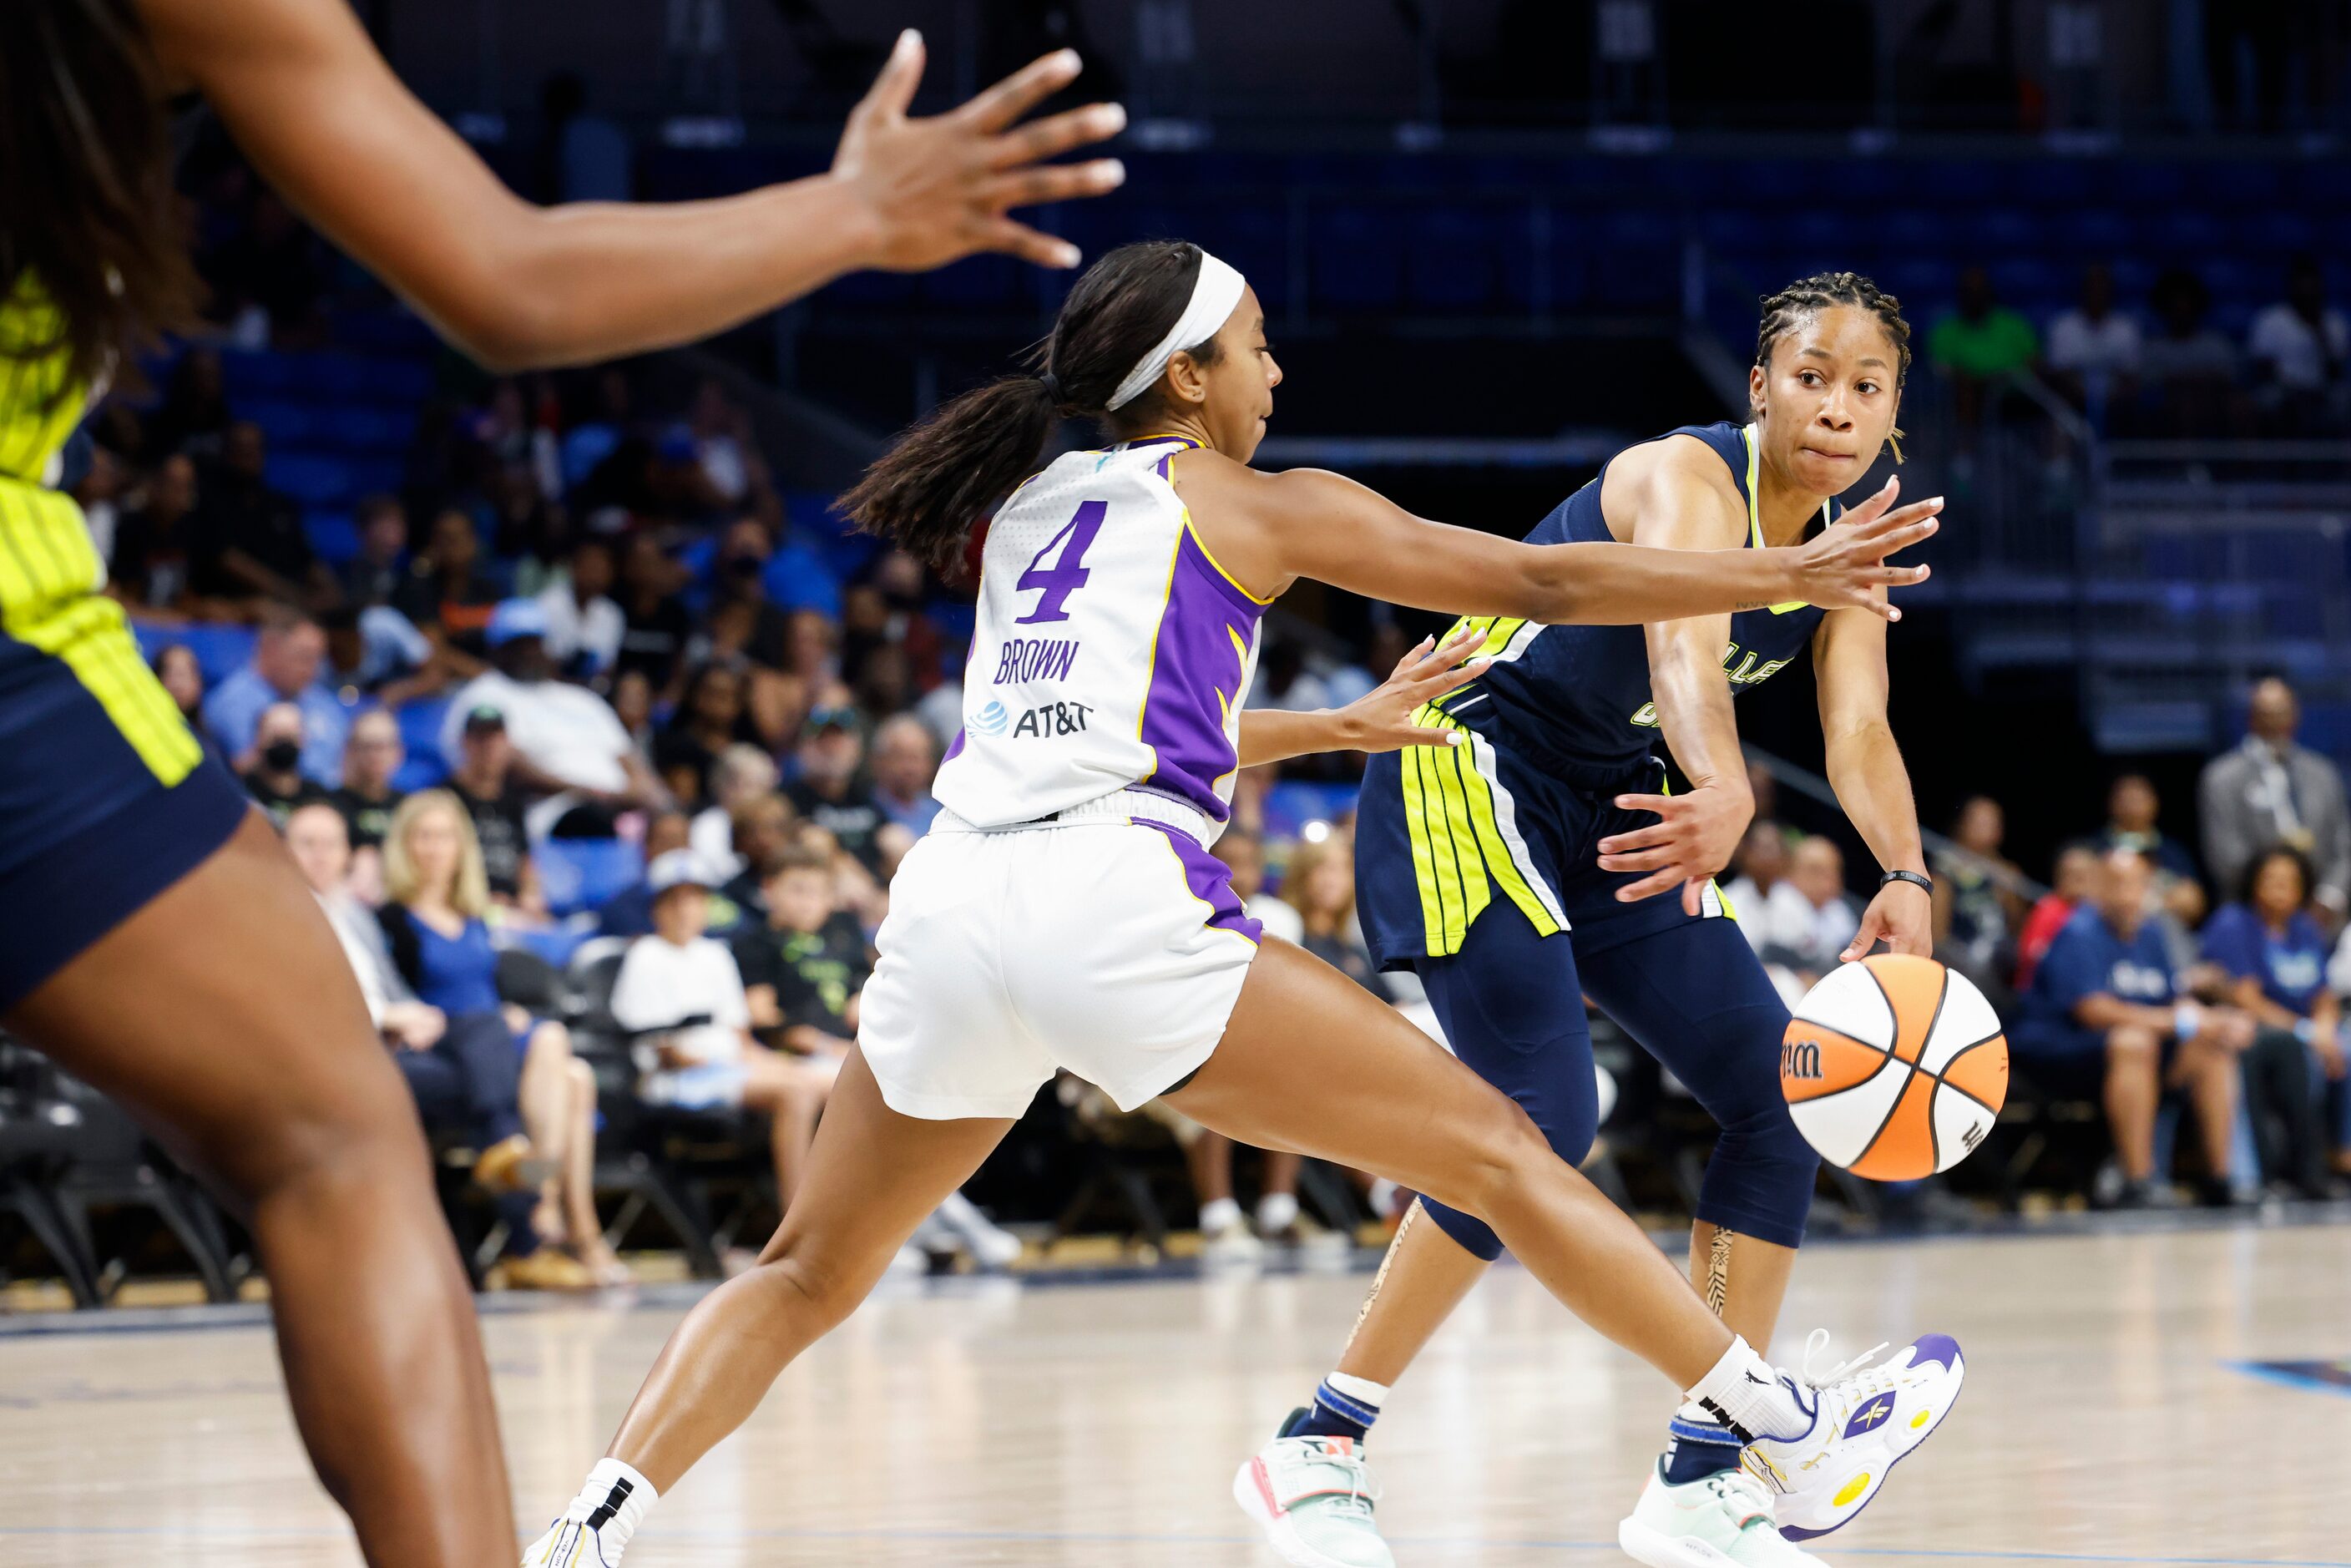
(1895, 1068)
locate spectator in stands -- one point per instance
(722, 442)
(194, 417)
(2133, 809)
(1773, 914)
(583, 625)
(680, 992)
(656, 625)
(2189, 369)
(2094, 349)
(710, 717)
(1977, 907)
(272, 767)
(288, 659)
(632, 705)
(249, 541)
(2274, 955)
(831, 791)
(465, 1077)
(375, 652)
(366, 797)
(483, 784)
(381, 568)
(804, 965)
(630, 912)
(154, 539)
(437, 899)
(1978, 343)
(1319, 882)
(1816, 867)
(741, 774)
(763, 827)
(905, 759)
(448, 589)
(567, 740)
(2298, 348)
(1284, 681)
(183, 678)
(1243, 851)
(2074, 879)
(2271, 790)
(2104, 1019)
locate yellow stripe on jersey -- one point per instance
(39, 408)
(1755, 512)
(49, 574)
(1460, 853)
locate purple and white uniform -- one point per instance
(1065, 911)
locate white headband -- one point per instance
(1214, 294)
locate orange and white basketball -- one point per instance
(1895, 1068)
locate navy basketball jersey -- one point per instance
(1580, 693)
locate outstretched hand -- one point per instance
(939, 189)
(1844, 567)
(1382, 718)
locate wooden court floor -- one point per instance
(2111, 1416)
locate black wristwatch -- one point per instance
(1914, 878)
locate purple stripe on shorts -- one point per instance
(1210, 882)
(954, 747)
(1196, 679)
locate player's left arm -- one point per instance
(1865, 766)
(1382, 719)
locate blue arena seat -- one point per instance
(419, 727)
(219, 650)
(584, 874)
(313, 481)
(333, 535)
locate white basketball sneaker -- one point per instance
(1313, 1496)
(1723, 1518)
(1866, 1419)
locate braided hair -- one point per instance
(1809, 295)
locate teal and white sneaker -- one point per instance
(1866, 1420)
(1313, 1496)
(1724, 1518)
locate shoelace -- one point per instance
(1817, 1342)
(1362, 1490)
(1741, 1490)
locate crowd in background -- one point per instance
(2208, 975)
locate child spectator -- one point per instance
(681, 992)
(805, 965)
(2075, 876)
(630, 911)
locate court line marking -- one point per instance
(1083, 1538)
(2254, 1369)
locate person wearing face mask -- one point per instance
(272, 770)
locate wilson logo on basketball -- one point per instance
(1799, 1059)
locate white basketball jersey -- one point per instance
(1110, 650)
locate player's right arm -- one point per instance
(320, 114)
(1682, 500)
(1271, 529)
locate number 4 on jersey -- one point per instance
(1069, 573)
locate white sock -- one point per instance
(1744, 1391)
(612, 1503)
(1277, 1211)
(1218, 1215)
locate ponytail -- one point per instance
(946, 473)
(950, 469)
(86, 210)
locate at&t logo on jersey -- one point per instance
(1045, 718)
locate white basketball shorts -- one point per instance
(1113, 949)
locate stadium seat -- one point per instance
(333, 535)
(581, 875)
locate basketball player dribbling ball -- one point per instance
(1065, 913)
(1602, 885)
(155, 939)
